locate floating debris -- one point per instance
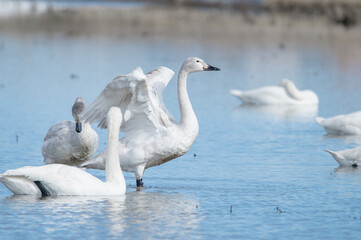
(194, 155)
(279, 210)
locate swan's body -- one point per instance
(348, 124)
(59, 179)
(70, 142)
(284, 94)
(152, 136)
(349, 157)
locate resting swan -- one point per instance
(69, 142)
(284, 94)
(152, 136)
(349, 157)
(59, 179)
(348, 124)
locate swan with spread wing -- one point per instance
(152, 135)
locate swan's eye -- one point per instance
(197, 61)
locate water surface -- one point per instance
(266, 164)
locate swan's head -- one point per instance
(194, 64)
(285, 83)
(78, 107)
(114, 118)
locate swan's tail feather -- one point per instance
(20, 185)
(319, 120)
(236, 93)
(98, 162)
(338, 157)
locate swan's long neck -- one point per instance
(293, 92)
(113, 171)
(188, 118)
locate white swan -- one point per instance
(348, 157)
(284, 94)
(69, 142)
(348, 124)
(152, 137)
(59, 179)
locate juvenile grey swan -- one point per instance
(152, 136)
(69, 142)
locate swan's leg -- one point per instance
(140, 182)
(139, 174)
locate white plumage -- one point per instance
(284, 94)
(348, 124)
(70, 142)
(152, 136)
(59, 179)
(348, 157)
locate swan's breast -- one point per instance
(176, 144)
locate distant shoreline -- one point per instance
(342, 12)
(173, 22)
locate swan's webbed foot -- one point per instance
(140, 182)
(354, 165)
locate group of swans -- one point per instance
(61, 179)
(286, 94)
(132, 103)
(346, 124)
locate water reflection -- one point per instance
(349, 170)
(150, 212)
(137, 214)
(290, 113)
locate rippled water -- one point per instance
(257, 173)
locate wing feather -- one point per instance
(139, 97)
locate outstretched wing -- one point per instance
(139, 96)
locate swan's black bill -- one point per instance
(211, 68)
(78, 127)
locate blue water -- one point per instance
(252, 173)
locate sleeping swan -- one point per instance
(152, 136)
(348, 124)
(349, 157)
(59, 179)
(69, 142)
(284, 94)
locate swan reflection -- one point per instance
(347, 169)
(303, 113)
(136, 215)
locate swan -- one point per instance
(152, 136)
(60, 179)
(285, 93)
(348, 124)
(349, 157)
(69, 142)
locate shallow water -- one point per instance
(257, 173)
